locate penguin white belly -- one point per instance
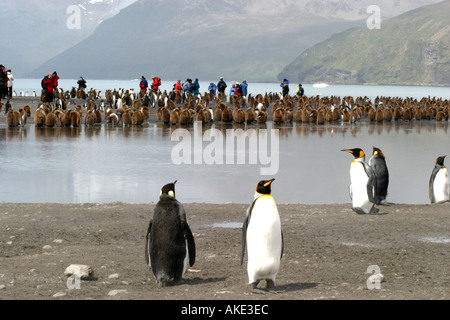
(359, 180)
(264, 240)
(441, 186)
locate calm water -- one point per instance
(106, 164)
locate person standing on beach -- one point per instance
(238, 90)
(212, 89)
(156, 83)
(221, 85)
(143, 84)
(10, 83)
(244, 86)
(177, 87)
(48, 84)
(195, 88)
(81, 84)
(3, 81)
(233, 89)
(285, 87)
(55, 78)
(300, 91)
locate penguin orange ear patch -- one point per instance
(171, 194)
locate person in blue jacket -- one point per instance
(244, 86)
(285, 87)
(195, 88)
(212, 88)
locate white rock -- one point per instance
(46, 247)
(116, 292)
(113, 276)
(59, 294)
(85, 272)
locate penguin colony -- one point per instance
(170, 245)
(126, 108)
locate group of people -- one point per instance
(156, 83)
(285, 88)
(6, 82)
(49, 83)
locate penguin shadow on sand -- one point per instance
(298, 286)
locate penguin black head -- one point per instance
(377, 151)
(440, 160)
(169, 189)
(357, 152)
(263, 186)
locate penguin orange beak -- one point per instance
(268, 182)
(347, 150)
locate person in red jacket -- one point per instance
(156, 83)
(143, 84)
(48, 86)
(55, 79)
(177, 87)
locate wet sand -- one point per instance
(328, 250)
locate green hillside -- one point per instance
(410, 49)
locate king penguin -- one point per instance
(439, 182)
(261, 233)
(363, 183)
(378, 163)
(170, 245)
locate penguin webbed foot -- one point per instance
(358, 210)
(255, 289)
(270, 287)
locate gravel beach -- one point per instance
(328, 251)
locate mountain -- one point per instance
(410, 49)
(237, 39)
(33, 31)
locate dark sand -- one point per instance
(328, 249)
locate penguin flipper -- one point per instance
(244, 235)
(187, 234)
(190, 242)
(244, 229)
(282, 244)
(430, 187)
(372, 183)
(147, 243)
